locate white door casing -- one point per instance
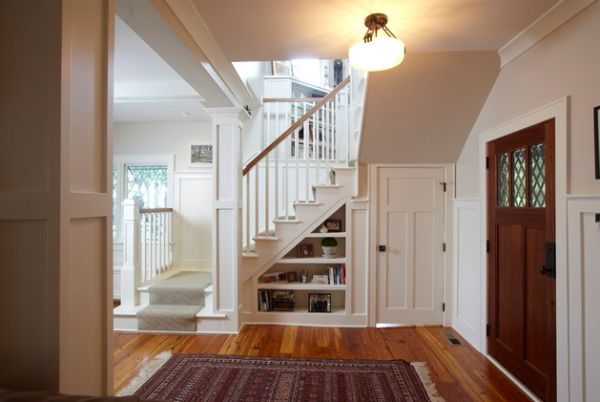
(411, 225)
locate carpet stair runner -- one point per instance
(174, 302)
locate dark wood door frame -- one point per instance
(515, 225)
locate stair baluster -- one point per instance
(306, 146)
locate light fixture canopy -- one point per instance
(377, 53)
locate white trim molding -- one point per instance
(467, 271)
(558, 111)
(552, 19)
(584, 259)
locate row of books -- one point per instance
(276, 300)
(337, 275)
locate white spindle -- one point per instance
(317, 141)
(256, 171)
(276, 155)
(247, 211)
(286, 176)
(306, 154)
(267, 194)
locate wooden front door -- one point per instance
(521, 230)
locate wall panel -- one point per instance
(468, 279)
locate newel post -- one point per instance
(131, 269)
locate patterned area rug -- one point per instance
(191, 377)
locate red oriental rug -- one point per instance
(192, 377)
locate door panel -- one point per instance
(397, 279)
(521, 312)
(411, 226)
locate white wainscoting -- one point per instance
(584, 297)
(193, 218)
(468, 280)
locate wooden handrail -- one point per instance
(294, 126)
(154, 210)
(290, 100)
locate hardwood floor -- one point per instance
(460, 372)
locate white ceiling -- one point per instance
(146, 88)
(286, 29)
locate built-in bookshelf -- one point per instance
(312, 278)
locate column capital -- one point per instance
(228, 115)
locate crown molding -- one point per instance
(552, 19)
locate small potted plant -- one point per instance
(329, 246)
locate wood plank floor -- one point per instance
(460, 372)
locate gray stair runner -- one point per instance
(174, 302)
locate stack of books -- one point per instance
(283, 300)
(277, 300)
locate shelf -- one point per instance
(299, 286)
(304, 310)
(328, 234)
(312, 260)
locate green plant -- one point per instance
(329, 242)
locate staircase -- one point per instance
(303, 175)
(298, 179)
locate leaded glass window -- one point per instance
(503, 180)
(519, 179)
(537, 170)
(147, 185)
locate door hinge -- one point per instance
(487, 246)
(444, 247)
(444, 186)
(487, 330)
(487, 162)
(443, 307)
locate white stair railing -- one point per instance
(147, 248)
(306, 137)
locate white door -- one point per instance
(410, 264)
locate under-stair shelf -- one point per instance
(300, 286)
(312, 260)
(326, 234)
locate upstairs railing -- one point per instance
(313, 139)
(147, 248)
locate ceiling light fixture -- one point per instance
(377, 53)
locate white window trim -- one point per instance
(120, 162)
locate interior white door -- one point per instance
(410, 263)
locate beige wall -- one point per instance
(160, 138)
(192, 187)
(567, 62)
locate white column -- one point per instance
(227, 223)
(131, 275)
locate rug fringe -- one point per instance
(425, 377)
(145, 373)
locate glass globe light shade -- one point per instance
(382, 53)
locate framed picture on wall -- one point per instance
(597, 139)
(201, 155)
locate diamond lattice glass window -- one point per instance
(147, 185)
(503, 180)
(519, 182)
(537, 193)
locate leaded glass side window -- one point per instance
(503, 180)
(519, 181)
(537, 172)
(147, 185)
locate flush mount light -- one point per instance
(377, 53)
